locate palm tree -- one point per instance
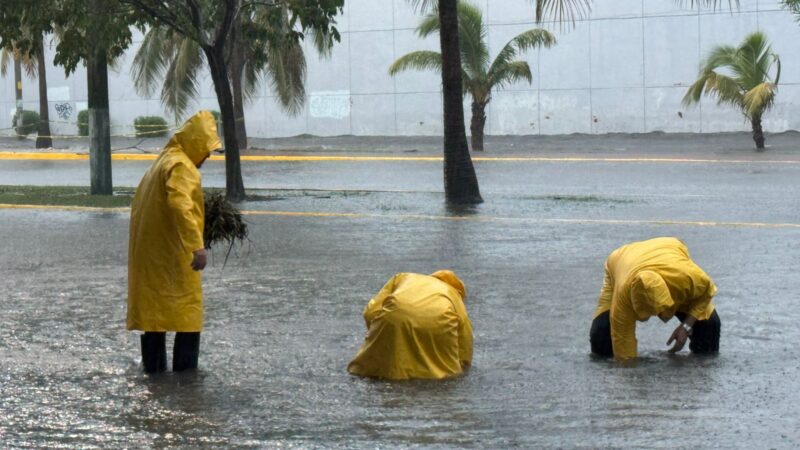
(793, 6)
(176, 59)
(739, 76)
(34, 65)
(479, 77)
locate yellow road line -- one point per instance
(66, 208)
(330, 158)
(439, 217)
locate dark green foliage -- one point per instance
(150, 126)
(223, 223)
(83, 122)
(28, 124)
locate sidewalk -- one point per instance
(780, 146)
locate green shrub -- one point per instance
(217, 117)
(150, 126)
(28, 124)
(83, 122)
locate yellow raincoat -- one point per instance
(417, 328)
(651, 278)
(167, 215)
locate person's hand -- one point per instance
(679, 336)
(199, 259)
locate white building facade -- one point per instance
(624, 69)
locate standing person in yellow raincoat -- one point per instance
(654, 278)
(166, 250)
(417, 328)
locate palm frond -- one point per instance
(152, 59)
(423, 5)
(472, 35)
(695, 91)
(323, 43)
(511, 73)
(759, 99)
(251, 80)
(286, 71)
(420, 60)
(521, 43)
(180, 85)
(725, 89)
(429, 25)
(562, 11)
(6, 56)
(793, 6)
(713, 4)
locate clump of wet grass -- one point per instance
(223, 223)
(64, 196)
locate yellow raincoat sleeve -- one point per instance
(180, 183)
(623, 332)
(606, 292)
(701, 307)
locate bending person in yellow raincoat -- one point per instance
(417, 328)
(166, 251)
(654, 278)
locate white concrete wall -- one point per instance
(625, 69)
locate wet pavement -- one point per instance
(284, 316)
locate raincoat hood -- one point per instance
(650, 295)
(450, 278)
(197, 137)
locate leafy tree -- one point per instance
(34, 66)
(479, 76)
(212, 23)
(740, 77)
(93, 32)
(174, 60)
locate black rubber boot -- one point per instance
(186, 351)
(154, 352)
(600, 336)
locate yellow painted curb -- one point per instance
(330, 158)
(65, 208)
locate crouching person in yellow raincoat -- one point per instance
(417, 327)
(654, 278)
(166, 251)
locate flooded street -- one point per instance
(283, 318)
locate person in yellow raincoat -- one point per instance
(417, 327)
(654, 278)
(166, 251)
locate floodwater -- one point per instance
(283, 318)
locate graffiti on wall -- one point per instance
(64, 110)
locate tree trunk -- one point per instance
(477, 124)
(43, 140)
(237, 66)
(99, 123)
(460, 181)
(233, 169)
(18, 89)
(758, 133)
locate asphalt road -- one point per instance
(283, 318)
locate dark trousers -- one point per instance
(185, 352)
(704, 338)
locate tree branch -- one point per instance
(232, 8)
(164, 15)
